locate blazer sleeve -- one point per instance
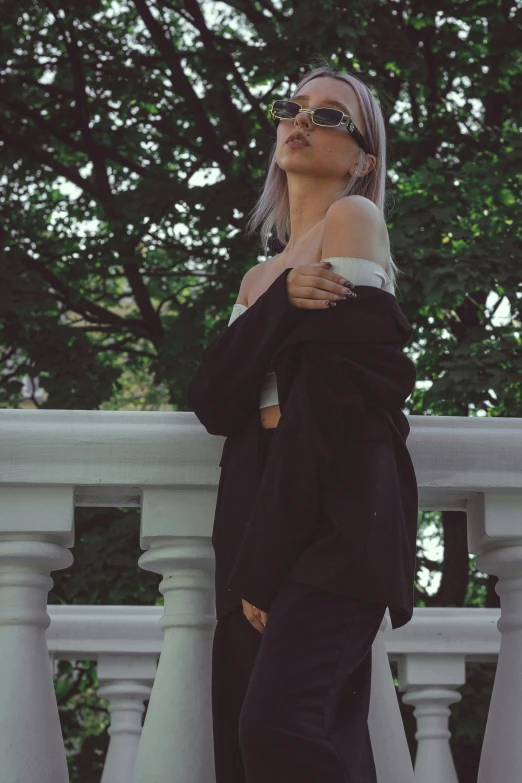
(309, 435)
(224, 391)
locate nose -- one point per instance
(303, 119)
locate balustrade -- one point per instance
(167, 464)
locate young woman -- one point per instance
(315, 526)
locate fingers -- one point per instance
(330, 281)
(310, 304)
(317, 288)
(314, 287)
(315, 276)
(255, 616)
(322, 269)
(258, 625)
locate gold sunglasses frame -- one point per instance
(349, 124)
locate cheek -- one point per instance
(334, 156)
(280, 150)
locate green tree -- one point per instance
(134, 138)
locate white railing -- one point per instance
(167, 464)
(126, 641)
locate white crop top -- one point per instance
(359, 271)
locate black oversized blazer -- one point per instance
(336, 503)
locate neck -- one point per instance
(309, 201)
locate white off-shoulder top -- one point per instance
(359, 271)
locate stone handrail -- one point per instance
(167, 464)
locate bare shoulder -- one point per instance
(250, 278)
(355, 226)
(356, 205)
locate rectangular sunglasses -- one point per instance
(323, 116)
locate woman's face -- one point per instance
(332, 152)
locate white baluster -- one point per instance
(501, 757)
(431, 682)
(177, 734)
(126, 682)
(389, 745)
(31, 744)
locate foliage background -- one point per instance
(134, 139)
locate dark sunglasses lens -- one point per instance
(327, 117)
(285, 110)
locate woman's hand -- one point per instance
(314, 287)
(254, 615)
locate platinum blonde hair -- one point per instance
(272, 209)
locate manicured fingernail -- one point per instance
(331, 304)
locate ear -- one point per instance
(369, 164)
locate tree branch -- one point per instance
(51, 130)
(249, 10)
(43, 158)
(213, 41)
(82, 305)
(101, 177)
(181, 84)
(141, 295)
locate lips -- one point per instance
(297, 136)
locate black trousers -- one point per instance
(290, 705)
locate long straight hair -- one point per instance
(272, 209)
